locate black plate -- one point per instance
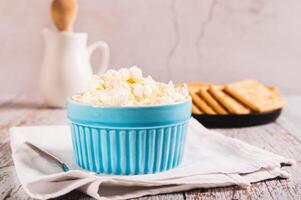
(231, 121)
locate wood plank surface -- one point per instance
(281, 137)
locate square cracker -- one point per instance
(227, 101)
(194, 87)
(196, 110)
(197, 100)
(204, 93)
(201, 104)
(255, 95)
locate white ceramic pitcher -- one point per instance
(66, 67)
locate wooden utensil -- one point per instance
(64, 13)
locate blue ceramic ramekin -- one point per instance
(128, 140)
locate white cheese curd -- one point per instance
(128, 87)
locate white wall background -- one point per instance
(203, 40)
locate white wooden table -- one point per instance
(282, 137)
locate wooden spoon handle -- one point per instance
(64, 13)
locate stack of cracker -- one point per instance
(242, 97)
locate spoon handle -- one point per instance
(48, 155)
(63, 13)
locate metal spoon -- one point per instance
(48, 155)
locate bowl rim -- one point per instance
(70, 101)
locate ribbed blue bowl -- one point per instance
(128, 140)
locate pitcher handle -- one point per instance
(105, 51)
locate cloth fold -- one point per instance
(210, 160)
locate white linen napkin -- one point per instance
(210, 160)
